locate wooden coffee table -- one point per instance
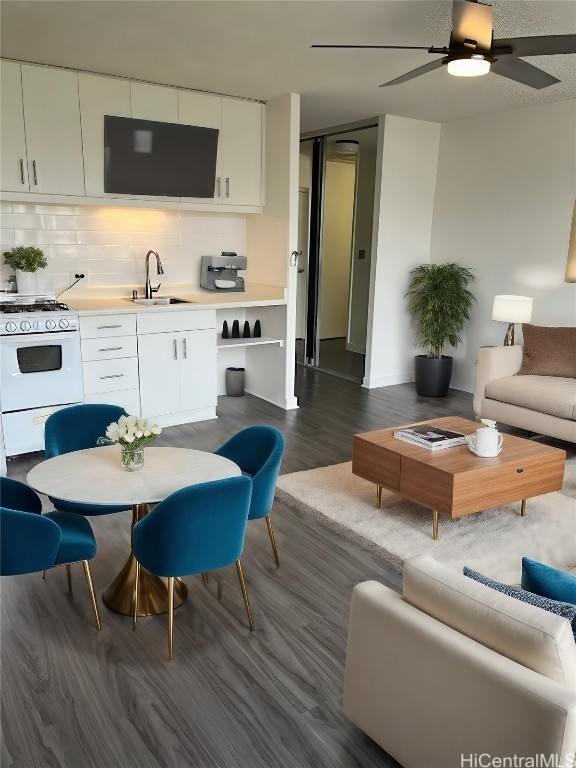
(454, 481)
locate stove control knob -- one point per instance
(25, 325)
(63, 323)
(36, 325)
(50, 325)
(11, 327)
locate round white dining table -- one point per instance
(96, 476)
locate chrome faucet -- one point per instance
(159, 271)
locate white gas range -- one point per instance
(40, 366)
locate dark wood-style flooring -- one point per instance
(75, 697)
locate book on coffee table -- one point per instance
(431, 437)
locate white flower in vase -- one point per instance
(132, 434)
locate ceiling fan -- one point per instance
(472, 51)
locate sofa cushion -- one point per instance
(566, 610)
(544, 580)
(524, 633)
(546, 394)
(548, 351)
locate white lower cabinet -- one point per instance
(161, 365)
(178, 373)
(110, 361)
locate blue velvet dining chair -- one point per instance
(258, 452)
(198, 529)
(74, 429)
(33, 542)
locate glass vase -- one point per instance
(132, 458)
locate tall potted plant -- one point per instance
(439, 302)
(25, 262)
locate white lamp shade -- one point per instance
(512, 309)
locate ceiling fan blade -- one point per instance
(522, 72)
(416, 72)
(395, 47)
(544, 45)
(471, 21)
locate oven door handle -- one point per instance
(39, 339)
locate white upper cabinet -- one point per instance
(13, 163)
(100, 96)
(52, 125)
(242, 152)
(53, 134)
(205, 111)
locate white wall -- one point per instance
(339, 186)
(109, 244)
(405, 183)
(504, 196)
(270, 238)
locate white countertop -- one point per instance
(253, 296)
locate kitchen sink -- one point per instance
(161, 300)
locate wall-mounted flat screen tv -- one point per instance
(145, 157)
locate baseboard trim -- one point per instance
(387, 381)
(185, 417)
(289, 404)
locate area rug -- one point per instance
(492, 541)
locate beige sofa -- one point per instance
(545, 405)
(452, 669)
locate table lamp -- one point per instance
(512, 309)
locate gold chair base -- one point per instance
(153, 592)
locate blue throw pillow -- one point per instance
(566, 610)
(548, 582)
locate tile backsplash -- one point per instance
(109, 244)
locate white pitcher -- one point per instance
(486, 442)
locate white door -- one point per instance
(13, 165)
(159, 363)
(99, 96)
(242, 152)
(198, 369)
(154, 102)
(53, 134)
(203, 110)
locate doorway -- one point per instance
(337, 176)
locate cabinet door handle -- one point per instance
(34, 172)
(101, 327)
(184, 349)
(22, 170)
(219, 186)
(175, 349)
(227, 187)
(109, 349)
(113, 376)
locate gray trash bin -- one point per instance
(235, 381)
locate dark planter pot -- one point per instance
(432, 375)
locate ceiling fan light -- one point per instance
(472, 66)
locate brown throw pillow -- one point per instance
(549, 352)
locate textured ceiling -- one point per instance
(262, 49)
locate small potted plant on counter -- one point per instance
(439, 302)
(26, 262)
